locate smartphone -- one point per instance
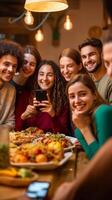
(41, 95)
(38, 190)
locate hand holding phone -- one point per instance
(41, 95)
(37, 190)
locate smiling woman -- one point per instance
(90, 114)
(51, 114)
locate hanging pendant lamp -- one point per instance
(45, 5)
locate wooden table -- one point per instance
(67, 172)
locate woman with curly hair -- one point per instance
(51, 114)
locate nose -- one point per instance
(77, 99)
(10, 68)
(88, 58)
(65, 69)
(44, 77)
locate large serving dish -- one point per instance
(45, 165)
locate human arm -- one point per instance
(102, 121)
(29, 112)
(57, 122)
(83, 123)
(94, 183)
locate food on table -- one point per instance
(33, 146)
(25, 136)
(14, 172)
(50, 137)
(37, 153)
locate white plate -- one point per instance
(73, 140)
(45, 165)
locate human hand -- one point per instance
(29, 112)
(44, 106)
(81, 120)
(65, 192)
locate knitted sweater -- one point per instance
(7, 105)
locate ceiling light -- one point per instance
(46, 5)
(28, 19)
(39, 36)
(68, 24)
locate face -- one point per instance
(29, 64)
(46, 77)
(81, 98)
(68, 68)
(91, 58)
(107, 55)
(8, 66)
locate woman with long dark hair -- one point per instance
(51, 114)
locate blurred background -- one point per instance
(83, 18)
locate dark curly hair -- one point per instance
(9, 47)
(57, 93)
(94, 42)
(30, 49)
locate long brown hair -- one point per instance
(88, 82)
(30, 49)
(75, 56)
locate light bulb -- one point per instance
(29, 19)
(68, 24)
(39, 36)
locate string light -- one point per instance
(68, 24)
(28, 19)
(39, 36)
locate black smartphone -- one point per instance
(38, 190)
(41, 95)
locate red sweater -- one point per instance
(42, 120)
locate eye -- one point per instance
(33, 64)
(82, 94)
(50, 74)
(71, 96)
(25, 62)
(7, 64)
(61, 67)
(83, 57)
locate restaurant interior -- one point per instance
(50, 31)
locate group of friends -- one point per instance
(79, 91)
(79, 94)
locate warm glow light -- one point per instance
(39, 36)
(46, 5)
(28, 19)
(68, 24)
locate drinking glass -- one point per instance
(4, 147)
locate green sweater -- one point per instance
(102, 119)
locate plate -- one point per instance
(17, 181)
(73, 140)
(45, 165)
